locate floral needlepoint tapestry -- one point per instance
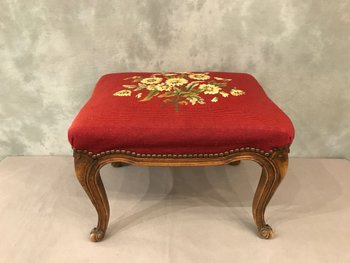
(183, 88)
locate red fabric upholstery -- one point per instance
(109, 122)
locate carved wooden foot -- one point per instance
(87, 172)
(96, 234)
(273, 170)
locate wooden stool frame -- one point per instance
(274, 166)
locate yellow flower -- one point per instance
(162, 87)
(151, 87)
(193, 100)
(123, 92)
(215, 99)
(150, 81)
(237, 92)
(224, 94)
(199, 76)
(176, 81)
(209, 88)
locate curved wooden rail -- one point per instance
(274, 166)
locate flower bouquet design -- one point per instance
(184, 88)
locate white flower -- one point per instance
(215, 99)
(199, 76)
(237, 92)
(193, 100)
(129, 86)
(176, 81)
(159, 87)
(151, 87)
(224, 94)
(122, 93)
(138, 95)
(162, 87)
(209, 88)
(150, 81)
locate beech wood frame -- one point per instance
(274, 166)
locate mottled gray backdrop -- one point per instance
(53, 51)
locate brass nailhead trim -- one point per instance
(195, 155)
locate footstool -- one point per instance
(180, 119)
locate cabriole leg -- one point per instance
(87, 172)
(271, 176)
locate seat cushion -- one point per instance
(179, 113)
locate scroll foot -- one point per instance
(273, 171)
(87, 172)
(265, 232)
(96, 235)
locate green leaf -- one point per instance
(177, 90)
(167, 94)
(188, 94)
(190, 86)
(150, 95)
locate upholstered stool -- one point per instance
(180, 119)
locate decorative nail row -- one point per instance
(167, 156)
